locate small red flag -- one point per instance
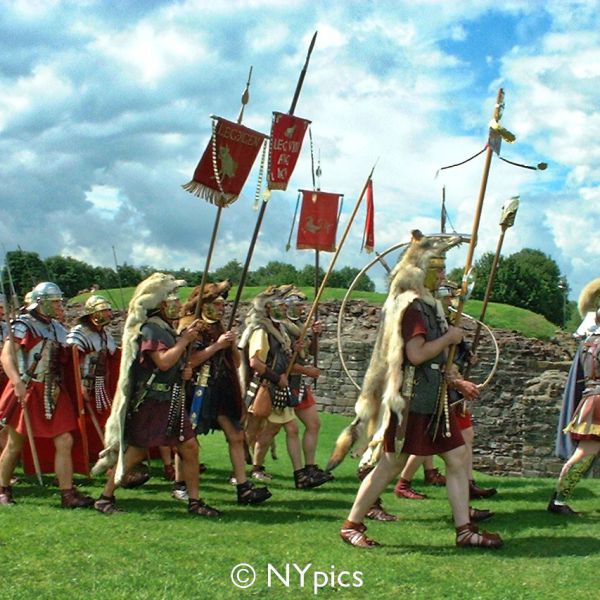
(287, 135)
(226, 163)
(369, 236)
(318, 221)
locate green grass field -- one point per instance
(500, 316)
(155, 550)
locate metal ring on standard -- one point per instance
(351, 289)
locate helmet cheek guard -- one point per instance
(172, 306)
(43, 297)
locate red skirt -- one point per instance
(307, 401)
(463, 416)
(417, 440)
(64, 420)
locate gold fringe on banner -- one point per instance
(215, 197)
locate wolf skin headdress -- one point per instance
(257, 318)
(381, 387)
(148, 295)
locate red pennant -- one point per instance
(369, 236)
(287, 135)
(318, 221)
(232, 149)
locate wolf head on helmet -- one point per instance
(214, 295)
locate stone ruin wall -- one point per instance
(515, 418)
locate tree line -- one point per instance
(73, 275)
(528, 279)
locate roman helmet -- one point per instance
(98, 309)
(294, 300)
(42, 298)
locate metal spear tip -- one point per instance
(509, 212)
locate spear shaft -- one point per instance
(13, 358)
(263, 205)
(213, 237)
(443, 404)
(319, 293)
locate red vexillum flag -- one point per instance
(318, 221)
(287, 135)
(226, 163)
(369, 235)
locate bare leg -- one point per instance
(10, 456)
(457, 484)
(388, 467)
(292, 440)
(263, 441)
(188, 452)
(412, 466)
(468, 436)
(63, 461)
(133, 455)
(235, 441)
(310, 418)
(253, 427)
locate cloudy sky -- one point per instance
(105, 111)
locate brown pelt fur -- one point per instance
(147, 296)
(380, 393)
(589, 299)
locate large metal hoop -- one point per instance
(351, 289)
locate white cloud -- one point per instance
(105, 117)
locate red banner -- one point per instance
(226, 163)
(318, 221)
(287, 134)
(369, 237)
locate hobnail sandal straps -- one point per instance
(355, 536)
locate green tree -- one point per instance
(232, 271)
(528, 279)
(344, 277)
(306, 276)
(70, 274)
(276, 273)
(27, 270)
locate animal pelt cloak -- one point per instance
(148, 295)
(257, 318)
(381, 389)
(210, 293)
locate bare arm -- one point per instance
(224, 340)
(10, 368)
(167, 358)
(263, 370)
(418, 350)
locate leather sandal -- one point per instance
(478, 492)
(403, 489)
(355, 536)
(72, 498)
(378, 513)
(6, 497)
(469, 536)
(248, 494)
(201, 509)
(107, 505)
(476, 515)
(434, 477)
